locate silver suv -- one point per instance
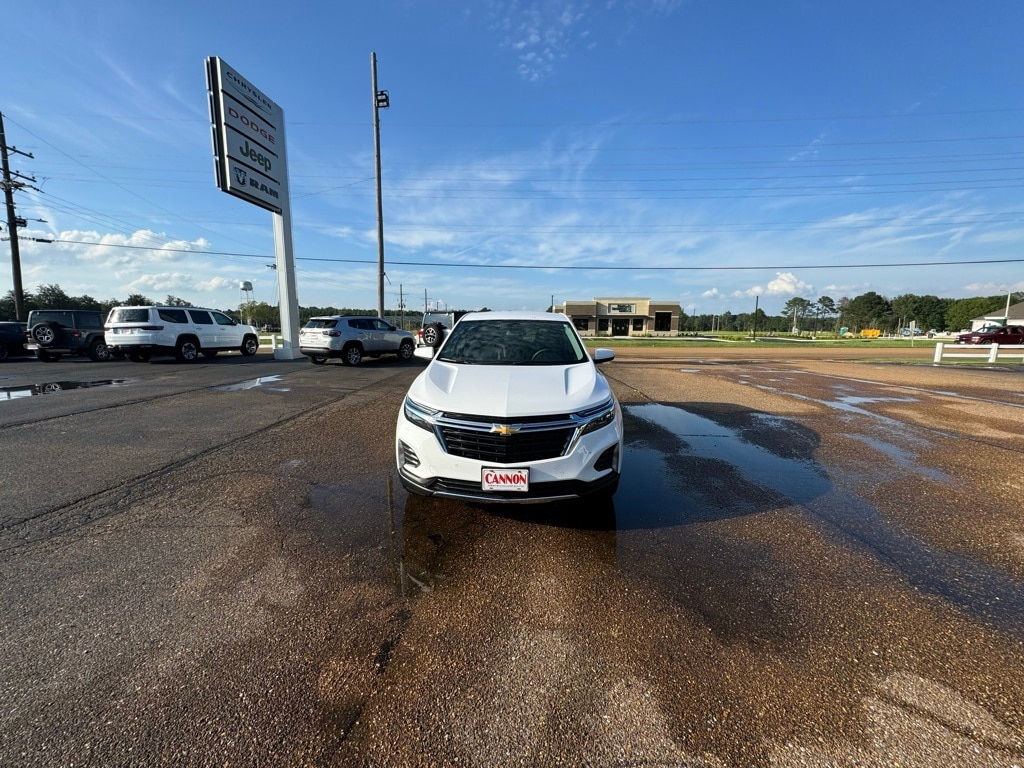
(185, 332)
(352, 338)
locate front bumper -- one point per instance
(592, 466)
(539, 493)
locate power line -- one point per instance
(124, 188)
(573, 267)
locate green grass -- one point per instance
(775, 341)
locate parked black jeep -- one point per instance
(53, 333)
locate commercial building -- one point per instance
(1012, 315)
(623, 317)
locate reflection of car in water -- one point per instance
(51, 387)
(438, 535)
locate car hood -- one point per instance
(509, 391)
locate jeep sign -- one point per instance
(248, 138)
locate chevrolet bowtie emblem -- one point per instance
(503, 429)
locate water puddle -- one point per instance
(685, 467)
(682, 467)
(52, 387)
(262, 381)
(902, 457)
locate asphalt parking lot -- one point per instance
(815, 558)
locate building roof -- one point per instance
(1016, 312)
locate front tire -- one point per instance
(405, 350)
(250, 345)
(138, 357)
(352, 355)
(317, 359)
(186, 350)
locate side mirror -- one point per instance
(425, 353)
(603, 355)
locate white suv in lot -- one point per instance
(353, 337)
(510, 409)
(185, 332)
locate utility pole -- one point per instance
(380, 101)
(12, 220)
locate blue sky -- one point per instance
(531, 150)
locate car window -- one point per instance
(119, 315)
(173, 315)
(381, 325)
(222, 319)
(90, 320)
(200, 317)
(360, 324)
(322, 322)
(52, 317)
(513, 342)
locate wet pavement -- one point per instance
(810, 562)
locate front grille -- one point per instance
(523, 447)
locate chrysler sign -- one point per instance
(248, 138)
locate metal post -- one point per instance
(380, 200)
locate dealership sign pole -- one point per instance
(249, 158)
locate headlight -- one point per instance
(599, 417)
(419, 415)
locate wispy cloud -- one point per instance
(540, 34)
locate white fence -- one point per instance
(274, 342)
(987, 352)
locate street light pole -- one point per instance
(380, 101)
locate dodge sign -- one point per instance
(248, 138)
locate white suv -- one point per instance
(185, 332)
(510, 409)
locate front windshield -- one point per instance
(513, 342)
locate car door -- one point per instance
(205, 328)
(369, 335)
(387, 336)
(229, 333)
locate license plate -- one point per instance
(504, 479)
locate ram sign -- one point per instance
(248, 138)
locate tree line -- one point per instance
(868, 310)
